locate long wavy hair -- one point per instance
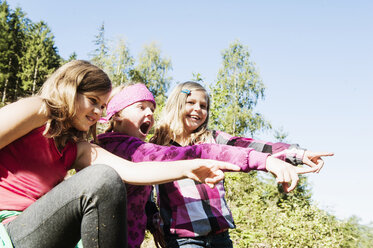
(59, 94)
(171, 124)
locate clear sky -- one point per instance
(315, 58)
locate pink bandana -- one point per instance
(126, 97)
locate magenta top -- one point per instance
(30, 167)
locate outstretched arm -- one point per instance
(286, 152)
(293, 154)
(148, 173)
(136, 150)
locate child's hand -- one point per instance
(209, 171)
(284, 173)
(314, 160)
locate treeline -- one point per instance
(27, 54)
(236, 90)
(265, 217)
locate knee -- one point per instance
(105, 181)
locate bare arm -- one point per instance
(20, 118)
(148, 173)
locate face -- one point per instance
(136, 120)
(195, 111)
(89, 109)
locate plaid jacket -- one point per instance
(192, 209)
(134, 149)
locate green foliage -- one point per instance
(72, 57)
(120, 64)
(27, 54)
(265, 217)
(99, 55)
(236, 93)
(197, 77)
(280, 135)
(153, 70)
(40, 58)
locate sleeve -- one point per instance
(138, 151)
(286, 152)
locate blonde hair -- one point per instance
(115, 91)
(171, 124)
(59, 93)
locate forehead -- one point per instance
(96, 93)
(101, 95)
(142, 103)
(197, 95)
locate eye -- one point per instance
(203, 106)
(92, 100)
(139, 106)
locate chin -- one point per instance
(82, 128)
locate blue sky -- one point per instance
(315, 58)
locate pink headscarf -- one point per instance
(126, 97)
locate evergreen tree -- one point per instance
(72, 57)
(12, 28)
(18, 24)
(5, 52)
(99, 55)
(120, 63)
(40, 57)
(236, 93)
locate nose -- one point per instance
(98, 111)
(197, 107)
(148, 112)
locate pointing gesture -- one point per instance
(314, 160)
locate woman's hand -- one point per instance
(285, 173)
(314, 160)
(209, 171)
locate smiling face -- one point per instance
(135, 120)
(89, 109)
(195, 113)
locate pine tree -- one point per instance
(120, 63)
(236, 93)
(5, 52)
(40, 58)
(99, 55)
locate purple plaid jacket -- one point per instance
(136, 150)
(192, 209)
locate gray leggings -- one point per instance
(90, 205)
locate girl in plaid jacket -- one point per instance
(130, 113)
(195, 215)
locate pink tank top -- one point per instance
(30, 167)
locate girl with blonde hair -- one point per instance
(194, 215)
(130, 116)
(42, 137)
